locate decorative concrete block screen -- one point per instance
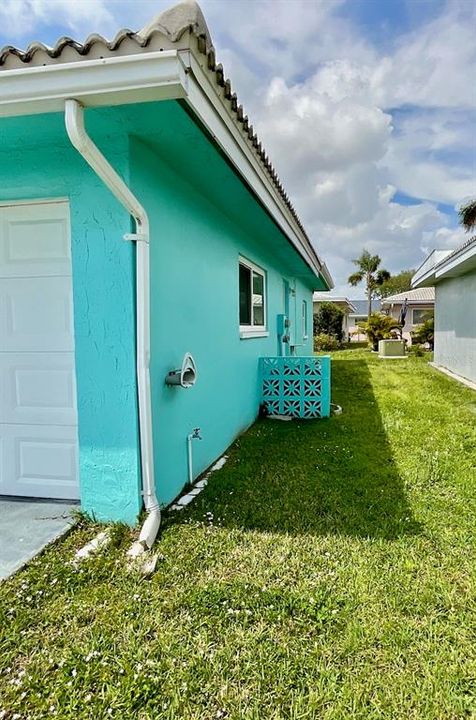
(297, 386)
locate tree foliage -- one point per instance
(328, 320)
(379, 327)
(467, 215)
(425, 333)
(396, 284)
(324, 342)
(369, 271)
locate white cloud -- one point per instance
(24, 17)
(430, 157)
(397, 233)
(434, 65)
(335, 149)
(429, 180)
(313, 130)
(443, 238)
(287, 38)
(346, 123)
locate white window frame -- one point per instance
(253, 331)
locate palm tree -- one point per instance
(467, 215)
(369, 271)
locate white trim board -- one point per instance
(106, 81)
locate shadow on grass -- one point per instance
(317, 477)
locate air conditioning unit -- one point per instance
(392, 350)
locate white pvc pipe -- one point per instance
(195, 435)
(74, 120)
(190, 459)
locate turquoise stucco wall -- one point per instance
(202, 217)
(195, 248)
(36, 161)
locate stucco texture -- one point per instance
(199, 228)
(455, 325)
(202, 217)
(37, 161)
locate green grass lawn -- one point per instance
(326, 572)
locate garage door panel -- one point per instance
(38, 415)
(37, 388)
(36, 314)
(39, 461)
(34, 241)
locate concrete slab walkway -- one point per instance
(26, 526)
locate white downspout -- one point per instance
(74, 119)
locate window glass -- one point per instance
(421, 314)
(258, 298)
(252, 289)
(245, 295)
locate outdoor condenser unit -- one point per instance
(389, 349)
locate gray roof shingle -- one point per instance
(420, 295)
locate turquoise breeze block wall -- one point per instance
(195, 248)
(37, 161)
(297, 386)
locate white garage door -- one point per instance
(38, 417)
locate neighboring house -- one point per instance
(420, 304)
(342, 303)
(359, 315)
(82, 415)
(454, 276)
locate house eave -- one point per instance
(425, 280)
(101, 82)
(153, 76)
(453, 264)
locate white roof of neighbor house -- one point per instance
(326, 297)
(420, 296)
(172, 57)
(442, 264)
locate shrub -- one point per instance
(417, 350)
(380, 327)
(425, 333)
(324, 342)
(328, 321)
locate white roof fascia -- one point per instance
(424, 280)
(410, 301)
(333, 299)
(444, 263)
(327, 275)
(105, 81)
(425, 274)
(203, 99)
(449, 266)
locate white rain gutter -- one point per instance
(74, 120)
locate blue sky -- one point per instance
(366, 107)
(384, 21)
